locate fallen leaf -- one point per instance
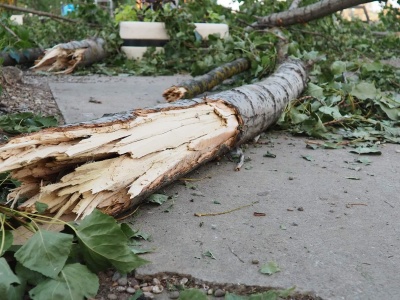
(283, 227)
(366, 150)
(312, 146)
(353, 178)
(364, 160)
(307, 157)
(269, 154)
(209, 254)
(157, 198)
(270, 268)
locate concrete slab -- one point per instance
(84, 100)
(328, 232)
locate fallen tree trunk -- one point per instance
(65, 58)
(206, 82)
(305, 14)
(122, 158)
(22, 57)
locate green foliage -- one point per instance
(25, 122)
(61, 265)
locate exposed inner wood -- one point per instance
(80, 168)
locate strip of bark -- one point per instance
(114, 162)
(305, 14)
(22, 57)
(206, 82)
(65, 58)
(36, 12)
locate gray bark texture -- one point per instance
(307, 13)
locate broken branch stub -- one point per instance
(112, 163)
(206, 82)
(65, 58)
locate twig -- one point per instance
(236, 255)
(39, 13)
(392, 206)
(354, 204)
(10, 31)
(224, 212)
(128, 215)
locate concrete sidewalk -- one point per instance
(331, 223)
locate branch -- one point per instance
(306, 13)
(35, 12)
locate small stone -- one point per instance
(210, 291)
(219, 293)
(116, 276)
(157, 289)
(213, 226)
(144, 284)
(148, 295)
(134, 282)
(130, 290)
(184, 280)
(174, 295)
(300, 208)
(112, 297)
(290, 178)
(120, 288)
(156, 281)
(147, 288)
(123, 281)
(255, 261)
(136, 287)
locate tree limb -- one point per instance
(39, 13)
(306, 13)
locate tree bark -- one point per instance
(307, 13)
(23, 57)
(65, 58)
(39, 13)
(206, 82)
(114, 162)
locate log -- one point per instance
(65, 58)
(206, 82)
(114, 162)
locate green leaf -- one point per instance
(41, 207)
(338, 67)
(74, 282)
(192, 294)
(104, 244)
(230, 296)
(127, 230)
(45, 252)
(364, 91)
(366, 150)
(30, 276)
(364, 160)
(331, 111)
(8, 240)
(315, 90)
(307, 157)
(269, 154)
(209, 254)
(158, 198)
(270, 268)
(7, 277)
(136, 295)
